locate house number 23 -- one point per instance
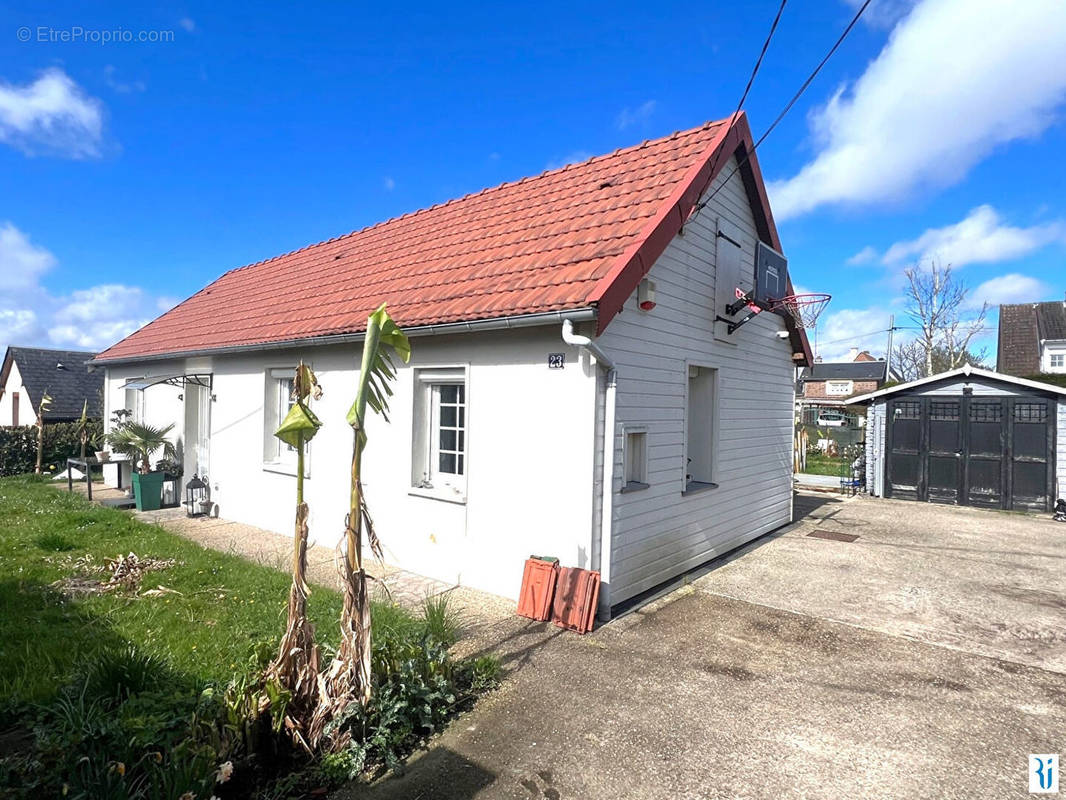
(556, 360)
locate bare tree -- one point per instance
(909, 363)
(936, 301)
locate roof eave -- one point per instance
(965, 371)
(584, 314)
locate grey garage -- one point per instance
(968, 437)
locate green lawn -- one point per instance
(818, 464)
(225, 606)
(146, 694)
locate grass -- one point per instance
(222, 605)
(818, 464)
(136, 695)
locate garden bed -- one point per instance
(136, 689)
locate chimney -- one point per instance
(853, 353)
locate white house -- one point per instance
(554, 320)
(27, 374)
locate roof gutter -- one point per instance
(474, 326)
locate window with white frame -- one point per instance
(635, 458)
(133, 400)
(839, 388)
(439, 442)
(701, 424)
(1056, 359)
(277, 400)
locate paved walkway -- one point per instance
(485, 617)
(716, 697)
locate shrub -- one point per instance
(18, 446)
(442, 622)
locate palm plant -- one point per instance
(139, 441)
(349, 677)
(296, 667)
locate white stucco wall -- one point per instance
(529, 454)
(12, 386)
(659, 532)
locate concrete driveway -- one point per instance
(924, 659)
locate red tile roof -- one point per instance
(577, 237)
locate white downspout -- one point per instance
(607, 476)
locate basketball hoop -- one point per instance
(804, 308)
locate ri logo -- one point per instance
(1043, 773)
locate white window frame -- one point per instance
(136, 408)
(277, 400)
(631, 459)
(846, 388)
(427, 479)
(1052, 352)
(698, 484)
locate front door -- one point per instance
(197, 430)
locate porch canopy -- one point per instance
(181, 379)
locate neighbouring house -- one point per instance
(29, 373)
(968, 437)
(824, 388)
(1032, 339)
(570, 391)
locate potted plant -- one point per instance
(139, 441)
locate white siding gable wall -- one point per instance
(14, 385)
(657, 532)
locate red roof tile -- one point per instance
(581, 236)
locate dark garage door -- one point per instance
(996, 452)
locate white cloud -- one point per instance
(864, 256)
(954, 81)
(51, 116)
(628, 117)
(188, 24)
(839, 331)
(982, 237)
(18, 325)
(92, 318)
(389, 183)
(122, 87)
(576, 157)
(883, 14)
(1010, 288)
(21, 262)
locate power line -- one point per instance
(754, 72)
(788, 106)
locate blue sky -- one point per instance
(132, 173)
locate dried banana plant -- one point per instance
(42, 409)
(297, 664)
(349, 679)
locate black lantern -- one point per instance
(197, 497)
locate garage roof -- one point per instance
(579, 237)
(966, 371)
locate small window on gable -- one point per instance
(701, 423)
(635, 457)
(15, 408)
(439, 440)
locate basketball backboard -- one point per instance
(771, 275)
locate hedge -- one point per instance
(18, 446)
